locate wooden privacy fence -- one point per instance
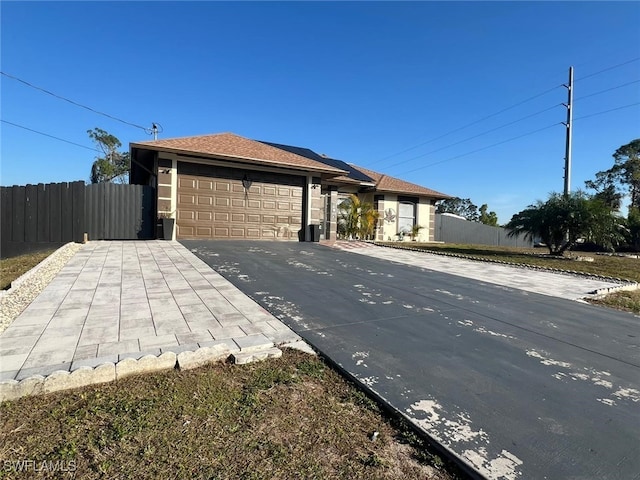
(36, 217)
(119, 212)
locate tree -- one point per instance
(459, 206)
(114, 166)
(633, 229)
(622, 178)
(357, 218)
(465, 208)
(490, 218)
(564, 219)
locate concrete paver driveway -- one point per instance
(514, 383)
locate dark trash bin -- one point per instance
(315, 233)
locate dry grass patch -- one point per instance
(12, 268)
(627, 301)
(292, 417)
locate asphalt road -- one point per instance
(517, 384)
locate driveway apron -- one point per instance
(514, 383)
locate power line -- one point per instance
(474, 136)
(607, 111)
(609, 68)
(50, 136)
(608, 89)
(516, 138)
(511, 107)
(483, 148)
(468, 125)
(146, 130)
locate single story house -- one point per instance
(225, 186)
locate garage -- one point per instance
(215, 202)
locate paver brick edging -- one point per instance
(110, 372)
(625, 281)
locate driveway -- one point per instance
(516, 384)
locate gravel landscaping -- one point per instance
(26, 288)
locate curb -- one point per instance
(603, 292)
(112, 372)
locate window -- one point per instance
(406, 216)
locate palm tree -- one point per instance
(563, 219)
(415, 231)
(356, 218)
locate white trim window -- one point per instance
(406, 217)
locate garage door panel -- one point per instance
(218, 206)
(186, 199)
(186, 231)
(185, 182)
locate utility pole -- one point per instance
(569, 125)
(154, 129)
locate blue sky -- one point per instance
(362, 82)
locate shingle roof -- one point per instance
(234, 146)
(386, 183)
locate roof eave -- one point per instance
(439, 196)
(258, 161)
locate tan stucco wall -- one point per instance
(389, 228)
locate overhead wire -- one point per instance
(607, 111)
(48, 135)
(469, 124)
(506, 109)
(517, 137)
(608, 68)
(607, 90)
(13, 77)
(474, 136)
(482, 148)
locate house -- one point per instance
(224, 186)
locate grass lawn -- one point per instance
(292, 417)
(12, 268)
